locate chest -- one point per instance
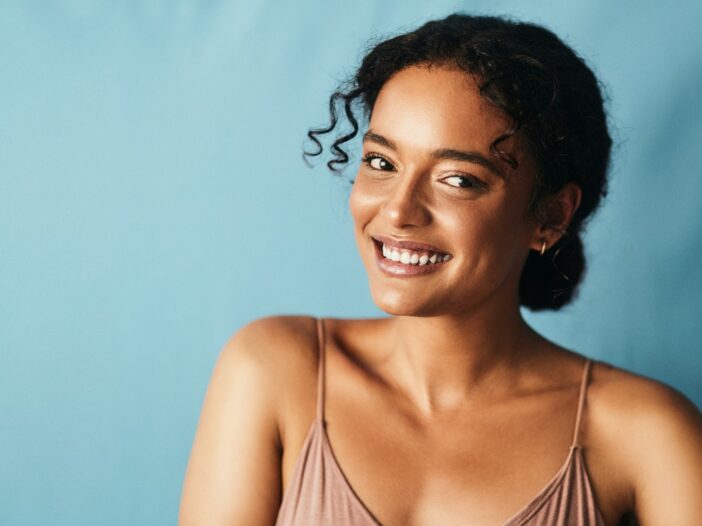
(479, 468)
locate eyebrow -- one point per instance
(442, 153)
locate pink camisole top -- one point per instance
(320, 495)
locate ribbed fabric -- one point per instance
(320, 495)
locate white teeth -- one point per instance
(412, 258)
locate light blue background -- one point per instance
(153, 200)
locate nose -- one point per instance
(406, 202)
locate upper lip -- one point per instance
(410, 245)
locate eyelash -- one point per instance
(475, 183)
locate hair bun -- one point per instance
(550, 281)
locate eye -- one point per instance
(377, 162)
(465, 181)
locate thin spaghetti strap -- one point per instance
(320, 370)
(581, 401)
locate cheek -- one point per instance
(362, 204)
(362, 212)
(492, 234)
(355, 206)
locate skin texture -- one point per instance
(452, 410)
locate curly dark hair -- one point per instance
(551, 97)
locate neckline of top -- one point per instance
(516, 519)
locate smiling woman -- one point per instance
(486, 150)
(437, 180)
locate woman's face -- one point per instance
(428, 178)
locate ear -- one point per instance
(556, 213)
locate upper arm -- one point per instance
(233, 475)
(666, 458)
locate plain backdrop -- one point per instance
(153, 200)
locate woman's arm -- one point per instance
(233, 474)
(666, 458)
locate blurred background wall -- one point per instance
(153, 200)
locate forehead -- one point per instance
(436, 107)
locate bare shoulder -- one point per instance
(643, 404)
(238, 442)
(280, 354)
(273, 342)
(653, 434)
(281, 351)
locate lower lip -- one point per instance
(395, 268)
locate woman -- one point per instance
(486, 151)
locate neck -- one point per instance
(443, 362)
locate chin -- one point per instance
(401, 304)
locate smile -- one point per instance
(399, 261)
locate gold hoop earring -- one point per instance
(543, 247)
